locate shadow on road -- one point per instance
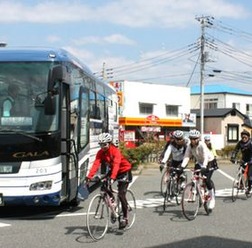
(31, 212)
(206, 242)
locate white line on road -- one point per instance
(225, 174)
(4, 224)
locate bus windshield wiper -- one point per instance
(21, 133)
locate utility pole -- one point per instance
(204, 22)
(202, 79)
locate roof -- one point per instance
(223, 112)
(218, 88)
(220, 112)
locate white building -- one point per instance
(221, 96)
(156, 108)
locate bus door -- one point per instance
(68, 149)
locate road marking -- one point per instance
(225, 174)
(4, 224)
(151, 203)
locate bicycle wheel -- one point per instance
(207, 198)
(131, 209)
(190, 201)
(163, 183)
(237, 187)
(178, 192)
(206, 201)
(97, 217)
(167, 195)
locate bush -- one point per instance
(140, 154)
(226, 152)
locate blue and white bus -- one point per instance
(48, 137)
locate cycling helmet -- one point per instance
(178, 134)
(104, 138)
(245, 132)
(195, 134)
(207, 138)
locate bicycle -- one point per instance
(103, 209)
(240, 183)
(164, 178)
(173, 187)
(195, 195)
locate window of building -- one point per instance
(211, 103)
(172, 110)
(232, 133)
(236, 105)
(146, 108)
(249, 110)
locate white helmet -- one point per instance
(178, 134)
(195, 134)
(207, 138)
(104, 138)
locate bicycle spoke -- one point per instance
(97, 217)
(190, 202)
(131, 208)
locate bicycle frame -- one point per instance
(172, 186)
(200, 182)
(101, 207)
(195, 195)
(240, 183)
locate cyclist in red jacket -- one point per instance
(119, 167)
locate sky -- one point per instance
(159, 41)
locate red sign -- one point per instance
(152, 119)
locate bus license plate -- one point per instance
(1, 200)
(6, 169)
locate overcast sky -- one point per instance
(152, 41)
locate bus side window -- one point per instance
(92, 100)
(98, 112)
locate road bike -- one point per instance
(104, 209)
(240, 183)
(174, 187)
(196, 194)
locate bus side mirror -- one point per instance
(56, 74)
(50, 105)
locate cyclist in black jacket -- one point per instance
(245, 146)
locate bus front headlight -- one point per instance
(43, 185)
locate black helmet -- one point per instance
(245, 132)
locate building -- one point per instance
(221, 96)
(227, 111)
(152, 109)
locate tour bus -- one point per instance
(52, 109)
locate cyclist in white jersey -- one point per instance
(204, 161)
(176, 150)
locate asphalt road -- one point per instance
(228, 226)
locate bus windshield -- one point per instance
(23, 89)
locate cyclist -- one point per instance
(245, 146)
(210, 146)
(204, 160)
(120, 170)
(170, 139)
(176, 149)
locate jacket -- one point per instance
(117, 162)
